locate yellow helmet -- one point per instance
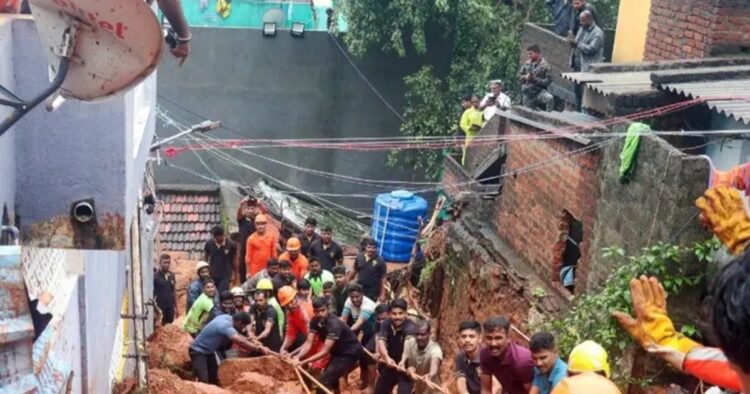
(264, 284)
(588, 356)
(588, 382)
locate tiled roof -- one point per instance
(187, 219)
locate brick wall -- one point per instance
(686, 29)
(530, 213)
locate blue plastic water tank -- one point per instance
(395, 223)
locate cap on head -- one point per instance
(293, 244)
(286, 295)
(238, 292)
(264, 284)
(588, 356)
(200, 266)
(261, 218)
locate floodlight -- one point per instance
(269, 29)
(298, 29)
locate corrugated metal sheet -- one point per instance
(614, 83)
(733, 95)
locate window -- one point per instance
(571, 251)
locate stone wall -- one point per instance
(685, 29)
(657, 205)
(530, 213)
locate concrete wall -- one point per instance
(657, 205)
(7, 141)
(103, 299)
(283, 87)
(632, 25)
(80, 151)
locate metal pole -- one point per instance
(24, 107)
(203, 126)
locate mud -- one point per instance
(231, 370)
(168, 349)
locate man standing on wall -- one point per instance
(580, 6)
(164, 290)
(370, 271)
(535, 79)
(326, 250)
(246, 223)
(509, 363)
(221, 254)
(494, 101)
(588, 44)
(308, 236)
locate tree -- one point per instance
(482, 37)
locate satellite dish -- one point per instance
(117, 43)
(275, 15)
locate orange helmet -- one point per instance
(293, 244)
(286, 295)
(261, 218)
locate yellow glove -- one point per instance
(651, 325)
(724, 213)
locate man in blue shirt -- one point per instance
(549, 369)
(214, 336)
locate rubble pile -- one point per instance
(167, 349)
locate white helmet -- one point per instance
(200, 266)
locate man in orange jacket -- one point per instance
(260, 247)
(295, 258)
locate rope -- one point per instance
(405, 371)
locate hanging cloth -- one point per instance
(629, 152)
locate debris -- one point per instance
(231, 370)
(168, 349)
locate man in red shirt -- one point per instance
(298, 316)
(260, 247)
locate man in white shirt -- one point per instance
(495, 100)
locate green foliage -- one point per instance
(590, 317)
(482, 38)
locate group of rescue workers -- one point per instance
(308, 308)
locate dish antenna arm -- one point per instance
(22, 107)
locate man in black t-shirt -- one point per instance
(391, 338)
(308, 236)
(164, 290)
(370, 270)
(221, 254)
(338, 340)
(468, 371)
(246, 213)
(327, 251)
(265, 322)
